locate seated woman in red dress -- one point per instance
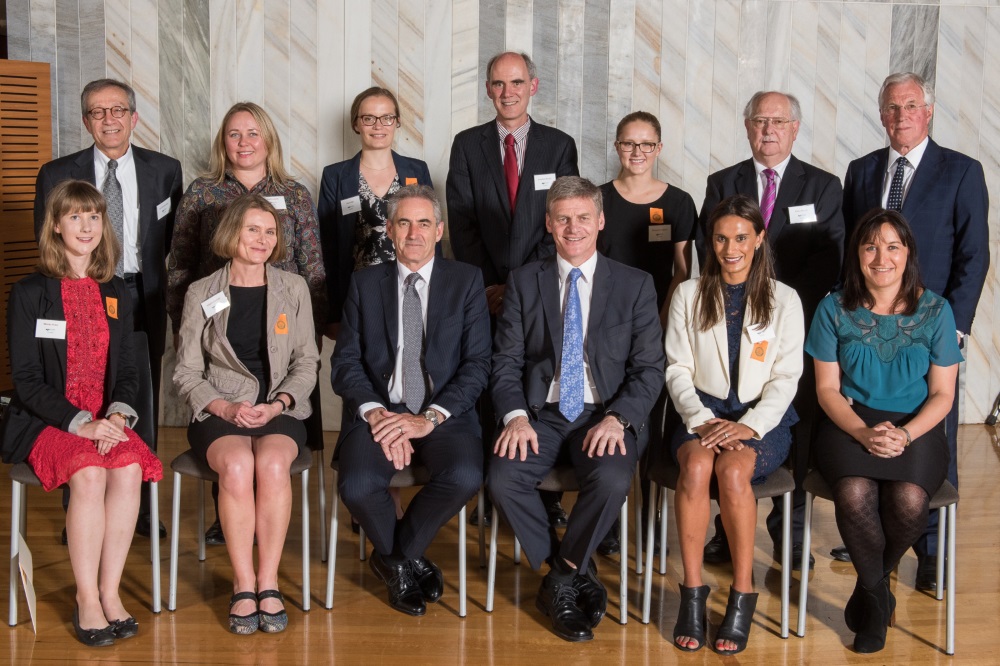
(69, 327)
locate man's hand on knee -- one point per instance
(515, 438)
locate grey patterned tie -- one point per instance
(414, 386)
(112, 190)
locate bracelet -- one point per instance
(909, 440)
(123, 417)
(284, 407)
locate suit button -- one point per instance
(503, 268)
(385, 375)
(536, 407)
(274, 350)
(274, 375)
(547, 379)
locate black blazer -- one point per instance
(38, 365)
(158, 178)
(339, 182)
(946, 207)
(807, 257)
(624, 340)
(456, 342)
(483, 233)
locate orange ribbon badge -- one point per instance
(112, 307)
(411, 181)
(759, 351)
(656, 216)
(281, 326)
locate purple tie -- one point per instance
(770, 190)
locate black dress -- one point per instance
(246, 332)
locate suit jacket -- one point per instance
(158, 178)
(623, 344)
(807, 256)
(700, 360)
(340, 181)
(207, 366)
(482, 230)
(38, 365)
(456, 342)
(946, 207)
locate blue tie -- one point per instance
(571, 378)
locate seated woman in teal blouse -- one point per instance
(886, 360)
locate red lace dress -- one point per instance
(57, 455)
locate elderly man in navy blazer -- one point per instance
(148, 187)
(942, 194)
(412, 357)
(578, 363)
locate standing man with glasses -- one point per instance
(142, 188)
(801, 205)
(942, 194)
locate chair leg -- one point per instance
(804, 575)
(623, 565)
(15, 532)
(362, 547)
(950, 611)
(663, 530)
(322, 507)
(201, 521)
(786, 560)
(306, 582)
(154, 541)
(331, 562)
(175, 527)
(461, 562)
(637, 484)
(647, 582)
(939, 573)
(517, 550)
(491, 572)
(480, 503)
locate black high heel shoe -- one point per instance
(93, 637)
(736, 625)
(879, 612)
(691, 617)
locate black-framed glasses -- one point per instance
(388, 119)
(98, 112)
(777, 123)
(629, 146)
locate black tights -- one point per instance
(879, 521)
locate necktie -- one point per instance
(510, 169)
(571, 377)
(770, 191)
(895, 201)
(414, 386)
(112, 190)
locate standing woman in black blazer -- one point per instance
(353, 193)
(69, 327)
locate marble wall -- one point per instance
(693, 63)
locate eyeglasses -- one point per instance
(777, 123)
(907, 109)
(386, 120)
(98, 112)
(629, 146)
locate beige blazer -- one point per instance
(700, 359)
(207, 367)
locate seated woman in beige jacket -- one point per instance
(734, 354)
(246, 364)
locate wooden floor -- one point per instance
(361, 628)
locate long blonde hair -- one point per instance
(219, 161)
(76, 196)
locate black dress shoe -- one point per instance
(591, 596)
(796, 557)
(558, 601)
(429, 579)
(214, 535)
(474, 517)
(926, 573)
(404, 592)
(93, 637)
(610, 545)
(557, 515)
(126, 628)
(142, 527)
(717, 550)
(840, 554)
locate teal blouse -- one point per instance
(885, 358)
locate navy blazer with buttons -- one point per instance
(38, 365)
(946, 206)
(337, 232)
(456, 348)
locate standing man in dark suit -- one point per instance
(497, 180)
(144, 187)
(412, 356)
(805, 229)
(578, 363)
(942, 194)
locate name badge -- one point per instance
(163, 208)
(54, 329)
(659, 233)
(278, 202)
(760, 333)
(112, 307)
(543, 181)
(411, 181)
(802, 214)
(215, 304)
(348, 206)
(281, 326)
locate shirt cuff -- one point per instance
(80, 419)
(513, 415)
(444, 412)
(367, 407)
(131, 416)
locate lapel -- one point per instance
(600, 296)
(746, 180)
(349, 182)
(219, 322)
(548, 290)
(489, 144)
(276, 301)
(114, 325)
(788, 194)
(145, 181)
(83, 168)
(923, 181)
(437, 299)
(534, 163)
(721, 344)
(875, 180)
(390, 307)
(52, 308)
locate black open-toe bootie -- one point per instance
(691, 617)
(739, 617)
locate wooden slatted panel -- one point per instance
(25, 145)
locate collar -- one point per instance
(103, 159)
(519, 134)
(779, 168)
(402, 272)
(587, 268)
(913, 157)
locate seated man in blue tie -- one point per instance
(577, 365)
(412, 357)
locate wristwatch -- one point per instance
(621, 419)
(432, 416)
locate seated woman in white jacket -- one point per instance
(734, 352)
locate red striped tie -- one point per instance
(510, 170)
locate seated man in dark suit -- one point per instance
(412, 357)
(577, 366)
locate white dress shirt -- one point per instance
(913, 160)
(779, 169)
(131, 251)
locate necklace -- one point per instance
(368, 166)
